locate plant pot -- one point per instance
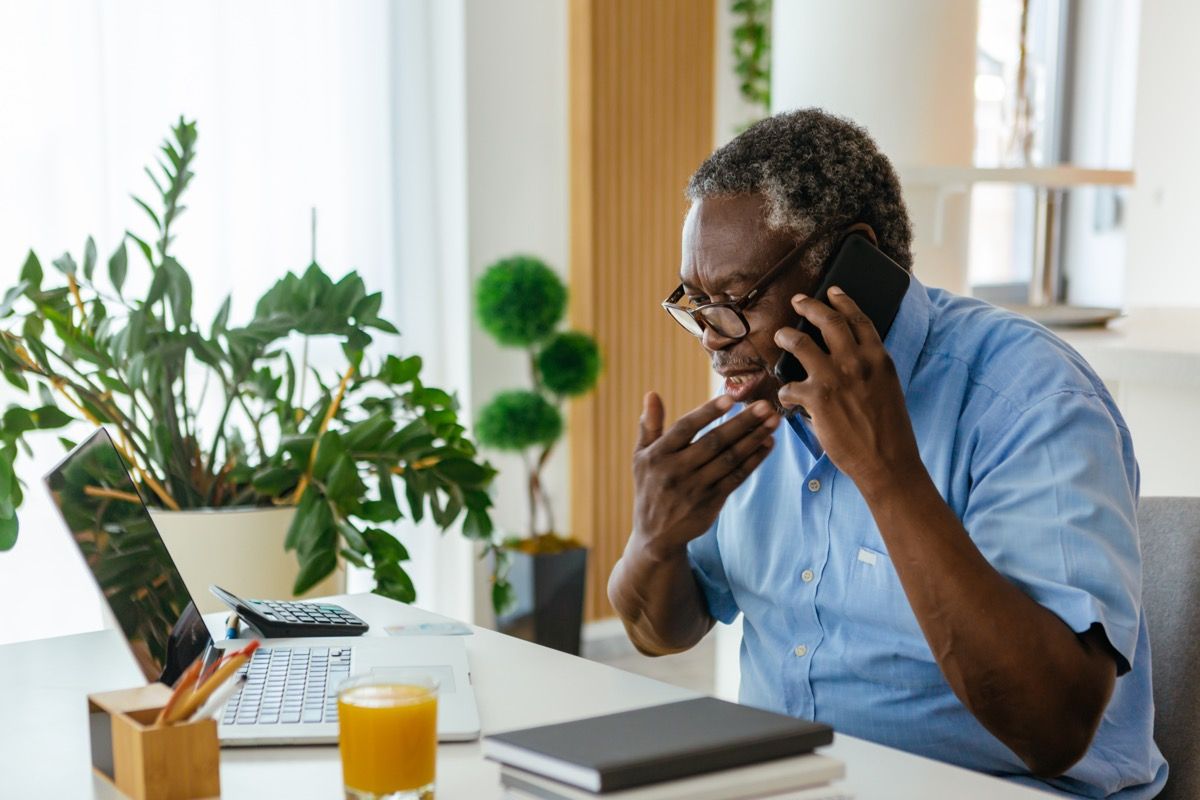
(549, 594)
(239, 549)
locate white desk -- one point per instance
(44, 741)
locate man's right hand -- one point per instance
(681, 484)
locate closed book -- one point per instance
(783, 776)
(655, 744)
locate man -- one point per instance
(942, 556)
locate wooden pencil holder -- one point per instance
(171, 762)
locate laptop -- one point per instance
(290, 693)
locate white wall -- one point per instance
(1163, 267)
(517, 199)
(906, 72)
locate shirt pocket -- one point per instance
(882, 641)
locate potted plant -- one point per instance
(520, 301)
(224, 416)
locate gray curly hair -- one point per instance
(815, 170)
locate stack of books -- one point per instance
(701, 749)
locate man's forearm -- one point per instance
(1020, 669)
(658, 599)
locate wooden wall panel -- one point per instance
(641, 121)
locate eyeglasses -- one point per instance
(728, 319)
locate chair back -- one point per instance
(1170, 534)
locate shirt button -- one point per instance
(807, 576)
(814, 485)
(801, 650)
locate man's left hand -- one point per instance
(852, 393)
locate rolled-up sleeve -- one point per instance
(704, 556)
(1052, 506)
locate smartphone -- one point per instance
(871, 279)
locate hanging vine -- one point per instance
(752, 51)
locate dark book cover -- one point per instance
(659, 743)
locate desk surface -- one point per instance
(44, 742)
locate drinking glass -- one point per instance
(388, 736)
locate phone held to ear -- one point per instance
(871, 279)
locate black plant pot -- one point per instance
(549, 598)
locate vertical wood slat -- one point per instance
(641, 120)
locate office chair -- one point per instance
(1170, 533)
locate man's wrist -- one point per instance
(657, 549)
(889, 482)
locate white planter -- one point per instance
(240, 550)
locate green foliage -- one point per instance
(752, 51)
(518, 419)
(519, 300)
(569, 364)
(353, 450)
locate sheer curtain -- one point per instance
(343, 107)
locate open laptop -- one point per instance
(290, 695)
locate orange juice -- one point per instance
(388, 736)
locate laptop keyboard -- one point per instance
(289, 685)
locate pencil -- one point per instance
(226, 668)
(186, 681)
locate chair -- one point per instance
(1170, 533)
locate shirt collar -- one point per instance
(910, 329)
(904, 343)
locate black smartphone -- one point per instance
(871, 279)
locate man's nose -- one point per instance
(713, 341)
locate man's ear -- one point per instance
(865, 230)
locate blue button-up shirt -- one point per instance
(1027, 447)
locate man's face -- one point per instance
(726, 249)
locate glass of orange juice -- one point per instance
(388, 736)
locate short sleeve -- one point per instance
(704, 556)
(1052, 506)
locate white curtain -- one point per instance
(351, 108)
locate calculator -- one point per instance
(280, 618)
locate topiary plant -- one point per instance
(519, 301)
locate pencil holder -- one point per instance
(171, 762)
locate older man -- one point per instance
(943, 555)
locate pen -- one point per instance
(231, 626)
(218, 699)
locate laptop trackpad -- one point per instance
(444, 675)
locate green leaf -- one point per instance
(158, 286)
(8, 532)
(380, 510)
(118, 267)
(222, 319)
(384, 547)
(273, 481)
(503, 596)
(148, 210)
(313, 569)
(179, 291)
(396, 371)
(392, 581)
(369, 434)
(344, 485)
(463, 470)
(31, 271)
(89, 258)
(49, 417)
(143, 246)
(18, 420)
(65, 264)
(11, 297)
(413, 492)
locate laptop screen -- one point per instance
(121, 546)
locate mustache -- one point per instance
(725, 361)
